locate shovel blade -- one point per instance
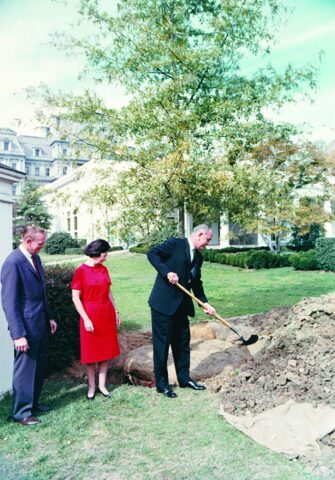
(251, 340)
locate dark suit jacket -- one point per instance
(174, 256)
(23, 297)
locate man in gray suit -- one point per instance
(29, 321)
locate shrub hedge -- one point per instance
(58, 242)
(325, 253)
(64, 345)
(73, 251)
(251, 258)
(305, 260)
(140, 248)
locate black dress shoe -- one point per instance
(30, 420)
(42, 408)
(192, 384)
(106, 395)
(167, 392)
(91, 397)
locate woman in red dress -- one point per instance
(99, 318)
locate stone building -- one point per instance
(42, 158)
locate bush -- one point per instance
(257, 260)
(82, 242)
(325, 253)
(73, 251)
(58, 242)
(64, 345)
(140, 248)
(305, 261)
(116, 248)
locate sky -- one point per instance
(28, 60)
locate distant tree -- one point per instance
(307, 240)
(30, 209)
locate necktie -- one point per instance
(35, 265)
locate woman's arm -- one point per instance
(111, 298)
(80, 309)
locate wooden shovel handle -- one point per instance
(216, 315)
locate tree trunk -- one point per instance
(277, 243)
(181, 221)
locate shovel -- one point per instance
(249, 341)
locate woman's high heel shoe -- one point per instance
(106, 395)
(89, 397)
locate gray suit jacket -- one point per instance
(23, 297)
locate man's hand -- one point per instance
(21, 344)
(53, 326)
(172, 277)
(209, 309)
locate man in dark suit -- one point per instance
(176, 260)
(29, 320)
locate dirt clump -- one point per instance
(296, 360)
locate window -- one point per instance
(14, 189)
(64, 170)
(37, 171)
(47, 172)
(6, 145)
(27, 169)
(14, 165)
(75, 223)
(37, 152)
(64, 151)
(68, 221)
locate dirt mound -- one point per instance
(295, 361)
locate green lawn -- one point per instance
(46, 258)
(140, 435)
(137, 435)
(233, 291)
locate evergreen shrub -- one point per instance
(140, 248)
(305, 261)
(73, 251)
(325, 253)
(64, 345)
(116, 248)
(58, 242)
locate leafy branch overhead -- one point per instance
(194, 127)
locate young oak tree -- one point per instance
(194, 119)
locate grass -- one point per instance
(138, 434)
(46, 258)
(233, 291)
(134, 436)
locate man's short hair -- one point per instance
(203, 227)
(30, 231)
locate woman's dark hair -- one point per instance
(96, 248)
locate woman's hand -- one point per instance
(88, 326)
(118, 319)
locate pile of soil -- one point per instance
(296, 360)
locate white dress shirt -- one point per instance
(192, 249)
(27, 255)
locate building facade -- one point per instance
(41, 158)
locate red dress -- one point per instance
(94, 284)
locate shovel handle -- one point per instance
(199, 302)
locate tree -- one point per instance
(194, 117)
(30, 209)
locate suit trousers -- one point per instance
(28, 377)
(171, 330)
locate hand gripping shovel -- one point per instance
(249, 341)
